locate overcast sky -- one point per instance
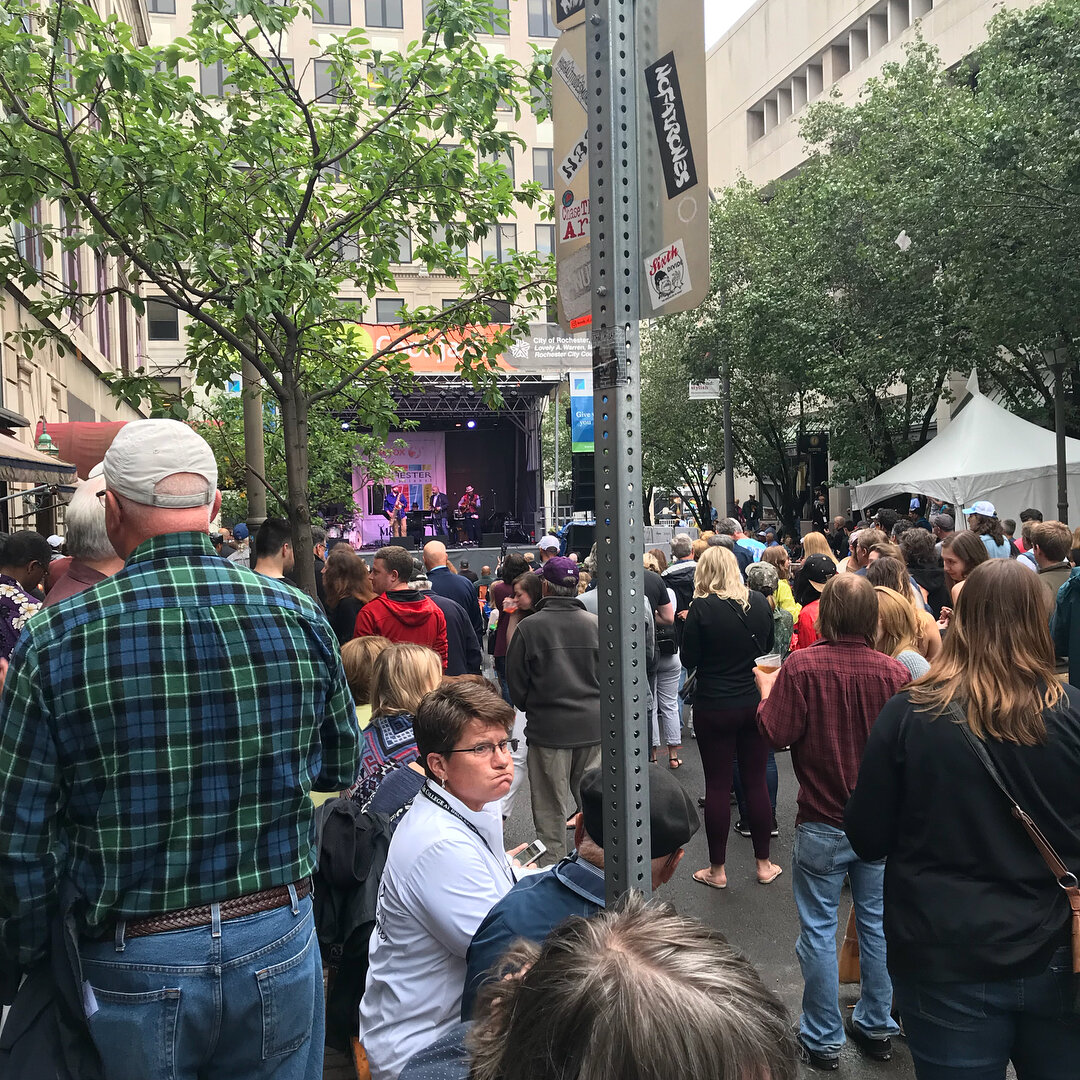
(719, 16)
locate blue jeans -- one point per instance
(970, 1031)
(821, 859)
(241, 999)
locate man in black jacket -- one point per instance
(463, 656)
(553, 673)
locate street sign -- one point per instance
(568, 13)
(706, 390)
(572, 219)
(672, 155)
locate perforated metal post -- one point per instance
(613, 205)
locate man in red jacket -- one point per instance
(401, 613)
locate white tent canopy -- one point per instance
(986, 452)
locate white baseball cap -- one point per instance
(145, 452)
(982, 507)
(549, 543)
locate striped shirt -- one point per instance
(159, 735)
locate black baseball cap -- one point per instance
(673, 817)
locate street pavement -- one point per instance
(758, 919)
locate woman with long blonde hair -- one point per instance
(898, 631)
(977, 925)
(727, 628)
(816, 543)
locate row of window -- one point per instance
(885, 22)
(500, 243)
(389, 15)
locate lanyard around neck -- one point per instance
(439, 801)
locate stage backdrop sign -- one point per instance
(581, 412)
(423, 461)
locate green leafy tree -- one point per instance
(251, 213)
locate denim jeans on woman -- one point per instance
(821, 859)
(241, 999)
(971, 1031)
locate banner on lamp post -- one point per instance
(571, 166)
(581, 412)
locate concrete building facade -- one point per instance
(783, 54)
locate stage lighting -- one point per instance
(471, 424)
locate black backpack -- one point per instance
(352, 856)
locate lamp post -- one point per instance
(1055, 357)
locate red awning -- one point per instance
(83, 442)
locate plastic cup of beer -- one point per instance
(768, 663)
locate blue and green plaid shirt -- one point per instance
(159, 736)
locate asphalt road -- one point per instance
(760, 920)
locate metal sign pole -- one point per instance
(613, 198)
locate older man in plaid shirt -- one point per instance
(159, 737)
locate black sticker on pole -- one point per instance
(672, 132)
(565, 8)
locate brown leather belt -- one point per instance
(252, 904)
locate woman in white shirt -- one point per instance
(445, 870)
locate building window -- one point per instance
(500, 17)
(161, 7)
(540, 22)
(544, 167)
(505, 159)
(162, 321)
(540, 102)
(404, 247)
(348, 247)
(214, 80)
(328, 91)
(500, 242)
(499, 310)
(545, 239)
(332, 12)
(101, 275)
(28, 241)
(383, 13)
(388, 310)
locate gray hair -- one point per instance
(635, 993)
(728, 526)
(318, 535)
(84, 526)
(722, 540)
(681, 546)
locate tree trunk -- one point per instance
(294, 421)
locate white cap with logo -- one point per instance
(145, 452)
(549, 543)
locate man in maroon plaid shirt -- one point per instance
(822, 703)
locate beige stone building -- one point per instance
(391, 24)
(107, 338)
(783, 54)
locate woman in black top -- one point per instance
(727, 627)
(976, 925)
(348, 589)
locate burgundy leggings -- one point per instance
(723, 735)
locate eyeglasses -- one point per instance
(486, 749)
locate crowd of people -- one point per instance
(177, 717)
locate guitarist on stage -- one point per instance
(395, 507)
(469, 505)
(439, 506)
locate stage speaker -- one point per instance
(581, 538)
(493, 540)
(407, 542)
